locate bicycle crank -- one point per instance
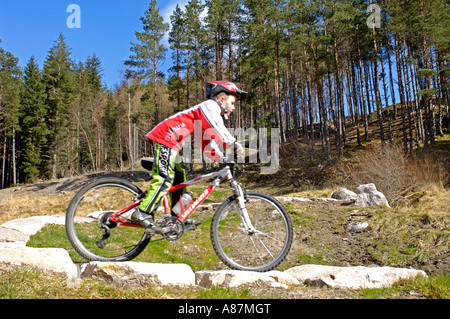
(172, 228)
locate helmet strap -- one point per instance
(225, 107)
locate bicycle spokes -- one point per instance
(93, 228)
(249, 231)
(260, 247)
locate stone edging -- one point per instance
(14, 254)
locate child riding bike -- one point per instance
(168, 139)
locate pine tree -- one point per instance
(377, 83)
(88, 110)
(177, 39)
(94, 73)
(10, 74)
(149, 53)
(111, 128)
(33, 129)
(196, 41)
(258, 63)
(217, 27)
(58, 78)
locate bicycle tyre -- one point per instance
(84, 231)
(261, 251)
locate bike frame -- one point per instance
(221, 175)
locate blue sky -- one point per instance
(30, 27)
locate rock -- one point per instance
(140, 274)
(368, 196)
(282, 277)
(12, 245)
(32, 225)
(352, 227)
(309, 274)
(14, 254)
(344, 194)
(316, 199)
(293, 199)
(236, 278)
(227, 278)
(9, 235)
(351, 277)
(48, 260)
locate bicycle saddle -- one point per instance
(147, 164)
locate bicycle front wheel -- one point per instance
(260, 250)
(88, 214)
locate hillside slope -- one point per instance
(415, 232)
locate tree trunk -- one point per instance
(13, 153)
(311, 112)
(430, 127)
(130, 135)
(391, 141)
(408, 102)
(188, 79)
(323, 117)
(377, 87)
(3, 181)
(230, 54)
(218, 63)
(155, 91)
(391, 80)
(353, 76)
(364, 102)
(402, 95)
(340, 120)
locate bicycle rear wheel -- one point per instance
(261, 250)
(87, 216)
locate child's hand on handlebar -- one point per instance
(239, 149)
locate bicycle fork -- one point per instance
(241, 197)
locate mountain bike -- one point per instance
(249, 231)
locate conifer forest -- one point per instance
(313, 68)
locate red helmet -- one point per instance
(214, 88)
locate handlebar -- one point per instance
(231, 160)
(232, 163)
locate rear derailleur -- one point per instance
(106, 224)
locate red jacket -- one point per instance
(203, 122)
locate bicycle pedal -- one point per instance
(101, 243)
(190, 227)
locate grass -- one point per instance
(434, 287)
(24, 206)
(198, 256)
(410, 234)
(32, 284)
(400, 236)
(316, 259)
(418, 231)
(194, 249)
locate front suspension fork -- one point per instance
(241, 196)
